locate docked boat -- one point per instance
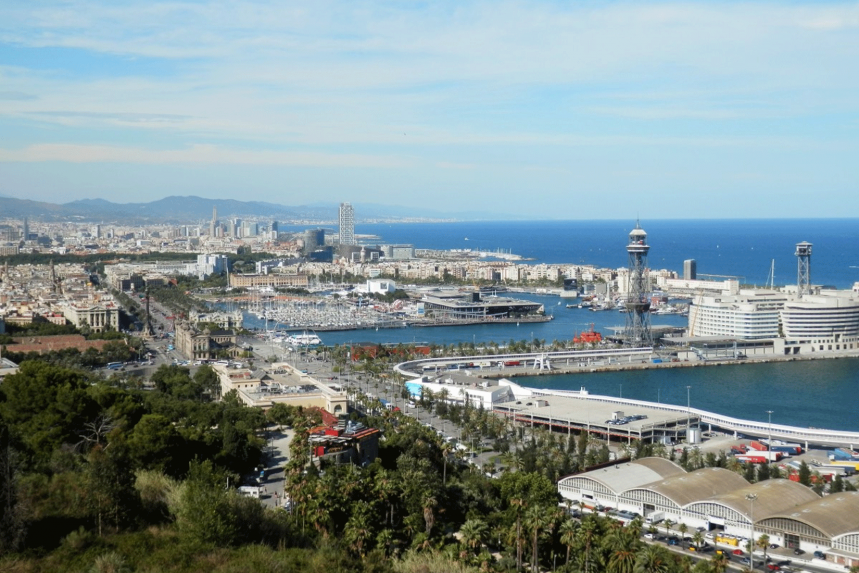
(303, 340)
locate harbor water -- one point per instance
(819, 393)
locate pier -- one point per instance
(564, 410)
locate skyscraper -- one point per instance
(347, 224)
(690, 270)
(214, 224)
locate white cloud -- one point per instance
(196, 154)
(462, 87)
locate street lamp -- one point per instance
(770, 423)
(688, 413)
(752, 497)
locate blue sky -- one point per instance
(544, 109)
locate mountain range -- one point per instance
(191, 209)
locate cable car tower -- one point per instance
(803, 269)
(637, 332)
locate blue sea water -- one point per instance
(823, 393)
(744, 248)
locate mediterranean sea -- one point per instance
(744, 248)
(819, 393)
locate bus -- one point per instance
(114, 365)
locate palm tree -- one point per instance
(358, 529)
(386, 491)
(587, 536)
(719, 563)
(653, 559)
(622, 561)
(763, 542)
(429, 517)
(446, 448)
(667, 523)
(517, 504)
(697, 539)
(536, 519)
(683, 529)
(568, 531)
(384, 540)
(473, 533)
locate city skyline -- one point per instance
(668, 110)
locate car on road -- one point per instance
(745, 561)
(798, 551)
(773, 567)
(649, 536)
(673, 541)
(738, 552)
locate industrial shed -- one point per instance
(604, 486)
(719, 500)
(732, 512)
(676, 492)
(828, 522)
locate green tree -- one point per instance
(837, 484)
(153, 443)
(473, 534)
(698, 539)
(45, 406)
(804, 474)
(536, 519)
(653, 559)
(204, 513)
(568, 531)
(110, 493)
(359, 530)
(763, 542)
(532, 487)
(207, 382)
(12, 517)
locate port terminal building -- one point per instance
(608, 416)
(455, 305)
(724, 504)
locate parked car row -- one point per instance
(625, 420)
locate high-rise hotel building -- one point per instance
(347, 224)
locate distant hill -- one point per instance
(192, 209)
(20, 208)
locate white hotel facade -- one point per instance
(823, 321)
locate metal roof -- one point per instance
(773, 496)
(833, 515)
(622, 477)
(698, 485)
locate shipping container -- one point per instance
(846, 463)
(758, 446)
(839, 454)
(752, 459)
(787, 450)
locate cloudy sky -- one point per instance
(545, 109)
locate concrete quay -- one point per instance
(581, 411)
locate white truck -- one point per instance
(654, 517)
